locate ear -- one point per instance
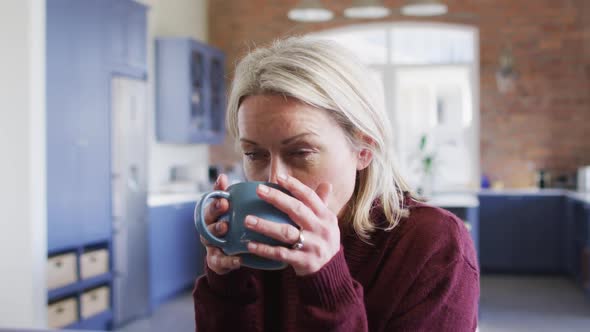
(364, 155)
(364, 158)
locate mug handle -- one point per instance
(200, 218)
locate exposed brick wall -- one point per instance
(543, 123)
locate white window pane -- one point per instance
(368, 44)
(430, 45)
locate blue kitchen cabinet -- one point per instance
(176, 253)
(522, 233)
(190, 79)
(126, 38)
(498, 236)
(579, 242)
(62, 124)
(79, 73)
(78, 116)
(78, 158)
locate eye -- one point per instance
(255, 155)
(302, 153)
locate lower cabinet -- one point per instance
(523, 233)
(579, 242)
(176, 253)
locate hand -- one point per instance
(309, 210)
(217, 261)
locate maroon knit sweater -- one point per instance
(421, 276)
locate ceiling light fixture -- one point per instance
(424, 8)
(366, 9)
(310, 11)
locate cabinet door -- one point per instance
(176, 253)
(62, 124)
(217, 97)
(126, 35)
(175, 97)
(499, 232)
(77, 124)
(117, 36)
(542, 225)
(137, 36)
(94, 128)
(522, 233)
(580, 221)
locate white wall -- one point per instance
(187, 18)
(23, 244)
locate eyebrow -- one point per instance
(285, 141)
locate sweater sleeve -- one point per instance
(331, 300)
(230, 302)
(441, 299)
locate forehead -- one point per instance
(280, 116)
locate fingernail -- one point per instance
(218, 227)
(251, 221)
(236, 261)
(283, 177)
(218, 205)
(214, 260)
(263, 188)
(252, 245)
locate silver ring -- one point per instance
(299, 244)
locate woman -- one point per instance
(367, 256)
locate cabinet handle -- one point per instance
(60, 310)
(58, 263)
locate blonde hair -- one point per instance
(324, 75)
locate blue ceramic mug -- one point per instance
(243, 201)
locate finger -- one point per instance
(219, 228)
(220, 205)
(285, 233)
(303, 193)
(221, 183)
(215, 209)
(217, 260)
(301, 214)
(296, 258)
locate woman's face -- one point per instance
(281, 135)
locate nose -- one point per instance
(277, 167)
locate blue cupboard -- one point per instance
(176, 253)
(88, 41)
(546, 232)
(190, 92)
(522, 233)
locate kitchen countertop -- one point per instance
(582, 196)
(450, 199)
(454, 200)
(585, 197)
(161, 199)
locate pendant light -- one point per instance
(366, 9)
(424, 8)
(310, 11)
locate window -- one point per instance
(429, 74)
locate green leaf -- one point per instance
(422, 142)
